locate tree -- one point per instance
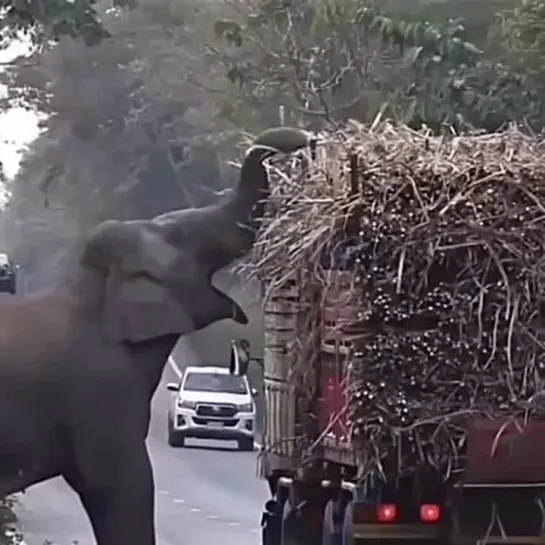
(511, 75)
(328, 60)
(149, 144)
(477, 17)
(314, 63)
(51, 19)
(154, 141)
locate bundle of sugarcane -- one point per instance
(448, 250)
(451, 266)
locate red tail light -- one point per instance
(386, 512)
(430, 513)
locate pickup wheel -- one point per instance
(246, 444)
(174, 439)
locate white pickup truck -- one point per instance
(211, 403)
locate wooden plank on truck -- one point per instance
(277, 363)
(340, 313)
(288, 289)
(280, 322)
(340, 320)
(333, 416)
(280, 425)
(279, 339)
(280, 335)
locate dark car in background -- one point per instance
(8, 275)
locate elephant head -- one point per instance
(158, 273)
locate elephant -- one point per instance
(79, 363)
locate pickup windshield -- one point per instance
(215, 382)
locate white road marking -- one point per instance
(178, 373)
(212, 517)
(233, 524)
(178, 500)
(195, 510)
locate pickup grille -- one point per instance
(216, 410)
(228, 422)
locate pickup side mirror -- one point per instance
(253, 392)
(172, 387)
(240, 357)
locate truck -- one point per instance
(320, 490)
(499, 499)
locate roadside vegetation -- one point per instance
(144, 101)
(178, 81)
(9, 532)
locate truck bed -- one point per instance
(497, 450)
(287, 371)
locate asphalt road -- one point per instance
(207, 494)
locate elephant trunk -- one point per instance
(246, 204)
(247, 201)
(219, 234)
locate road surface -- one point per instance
(205, 496)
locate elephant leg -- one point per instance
(121, 510)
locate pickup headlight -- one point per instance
(246, 408)
(185, 404)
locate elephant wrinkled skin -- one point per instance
(80, 363)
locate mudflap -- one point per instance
(493, 513)
(502, 490)
(505, 451)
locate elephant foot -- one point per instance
(122, 511)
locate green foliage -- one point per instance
(436, 62)
(334, 59)
(477, 16)
(526, 26)
(124, 139)
(9, 534)
(511, 77)
(52, 19)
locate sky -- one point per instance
(18, 127)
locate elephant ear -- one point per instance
(152, 288)
(139, 308)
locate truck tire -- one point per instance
(174, 439)
(347, 534)
(331, 534)
(288, 529)
(281, 529)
